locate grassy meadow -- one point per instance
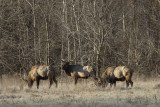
(15, 93)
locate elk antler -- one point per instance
(63, 60)
(70, 60)
(73, 59)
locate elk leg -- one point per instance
(75, 80)
(51, 82)
(110, 85)
(54, 79)
(128, 79)
(114, 84)
(131, 83)
(127, 84)
(37, 81)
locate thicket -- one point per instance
(101, 33)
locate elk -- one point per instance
(113, 74)
(41, 72)
(78, 71)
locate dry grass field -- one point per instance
(14, 93)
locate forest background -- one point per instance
(100, 33)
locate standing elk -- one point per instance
(78, 71)
(42, 72)
(113, 74)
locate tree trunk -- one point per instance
(34, 31)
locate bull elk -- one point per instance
(42, 72)
(78, 71)
(113, 74)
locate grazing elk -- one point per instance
(42, 72)
(113, 74)
(78, 71)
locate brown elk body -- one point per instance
(113, 74)
(41, 72)
(78, 71)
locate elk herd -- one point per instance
(110, 76)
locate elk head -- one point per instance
(29, 82)
(66, 64)
(99, 81)
(21, 77)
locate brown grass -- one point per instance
(14, 93)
